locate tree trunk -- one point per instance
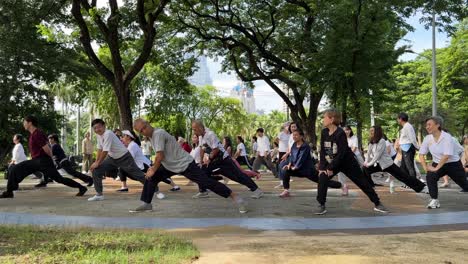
(307, 124)
(123, 100)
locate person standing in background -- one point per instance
(146, 148)
(88, 148)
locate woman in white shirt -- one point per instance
(445, 161)
(17, 155)
(378, 160)
(241, 154)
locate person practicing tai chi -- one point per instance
(263, 155)
(336, 156)
(301, 164)
(111, 155)
(41, 161)
(62, 161)
(171, 160)
(408, 145)
(444, 159)
(378, 160)
(219, 161)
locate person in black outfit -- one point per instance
(301, 164)
(62, 161)
(41, 155)
(336, 156)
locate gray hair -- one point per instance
(437, 120)
(198, 122)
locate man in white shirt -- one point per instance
(170, 160)
(263, 153)
(220, 161)
(111, 155)
(408, 144)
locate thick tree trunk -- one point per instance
(123, 101)
(307, 123)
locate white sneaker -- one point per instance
(117, 178)
(96, 198)
(392, 187)
(257, 194)
(422, 180)
(425, 190)
(201, 195)
(434, 204)
(160, 195)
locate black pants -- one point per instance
(193, 173)
(398, 173)
(313, 176)
(10, 167)
(352, 170)
(43, 164)
(407, 161)
(123, 175)
(229, 169)
(67, 166)
(453, 169)
(244, 160)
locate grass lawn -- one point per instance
(19, 244)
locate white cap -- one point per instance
(128, 133)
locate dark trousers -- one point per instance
(229, 169)
(193, 173)
(352, 170)
(396, 172)
(264, 160)
(244, 160)
(312, 175)
(66, 166)
(43, 164)
(407, 161)
(453, 169)
(123, 175)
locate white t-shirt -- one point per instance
(283, 144)
(212, 141)
(241, 149)
(438, 149)
(137, 155)
(176, 159)
(111, 143)
(408, 136)
(263, 146)
(18, 155)
(392, 148)
(195, 153)
(353, 142)
(290, 142)
(146, 148)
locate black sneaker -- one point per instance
(463, 191)
(175, 189)
(321, 210)
(82, 191)
(381, 208)
(123, 190)
(90, 182)
(42, 184)
(6, 194)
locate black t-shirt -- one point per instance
(334, 150)
(58, 153)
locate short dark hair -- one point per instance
(98, 121)
(300, 132)
(31, 119)
(260, 130)
(293, 123)
(351, 131)
(19, 137)
(54, 137)
(254, 138)
(378, 134)
(240, 139)
(403, 116)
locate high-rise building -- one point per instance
(245, 95)
(202, 76)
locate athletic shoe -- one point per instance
(463, 191)
(242, 205)
(434, 204)
(201, 195)
(41, 184)
(321, 210)
(344, 190)
(425, 190)
(392, 187)
(422, 180)
(117, 178)
(285, 194)
(96, 198)
(444, 185)
(257, 194)
(82, 191)
(122, 190)
(279, 185)
(145, 207)
(175, 189)
(6, 194)
(160, 195)
(381, 208)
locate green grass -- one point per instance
(19, 244)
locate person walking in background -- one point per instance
(263, 156)
(87, 147)
(41, 155)
(444, 160)
(408, 145)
